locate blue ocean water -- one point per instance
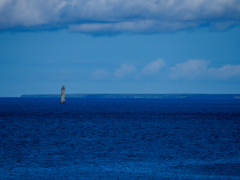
(119, 138)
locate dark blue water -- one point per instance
(119, 139)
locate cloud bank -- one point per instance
(190, 70)
(199, 70)
(118, 16)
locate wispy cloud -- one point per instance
(189, 70)
(153, 67)
(100, 74)
(225, 72)
(200, 70)
(119, 16)
(124, 71)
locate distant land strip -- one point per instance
(153, 96)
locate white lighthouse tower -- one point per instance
(63, 95)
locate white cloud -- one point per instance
(108, 16)
(100, 74)
(138, 26)
(199, 70)
(124, 71)
(153, 67)
(191, 69)
(225, 72)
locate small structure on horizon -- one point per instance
(63, 95)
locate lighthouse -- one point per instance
(63, 95)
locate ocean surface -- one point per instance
(119, 138)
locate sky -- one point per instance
(119, 46)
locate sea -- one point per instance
(102, 138)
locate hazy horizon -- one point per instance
(130, 95)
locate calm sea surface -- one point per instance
(119, 138)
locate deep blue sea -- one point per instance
(119, 138)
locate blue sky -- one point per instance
(119, 46)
